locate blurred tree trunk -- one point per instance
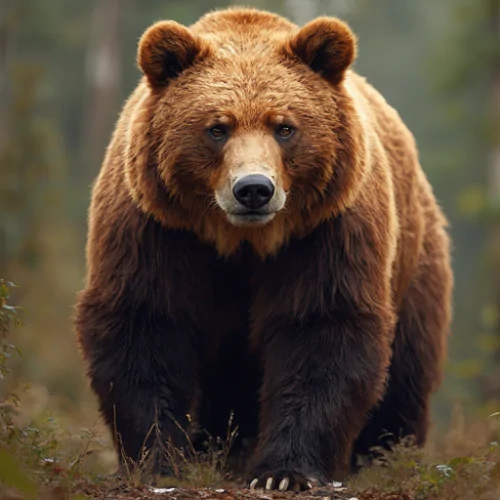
(494, 167)
(491, 386)
(5, 51)
(7, 48)
(103, 79)
(7, 44)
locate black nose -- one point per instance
(253, 191)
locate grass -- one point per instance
(189, 466)
(49, 451)
(43, 462)
(450, 474)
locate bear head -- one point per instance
(244, 128)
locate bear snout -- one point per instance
(251, 199)
(254, 191)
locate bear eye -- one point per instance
(285, 131)
(217, 133)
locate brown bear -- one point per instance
(263, 240)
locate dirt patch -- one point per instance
(149, 493)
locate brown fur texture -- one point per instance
(323, 329)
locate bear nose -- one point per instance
(253, 191)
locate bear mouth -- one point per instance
(252, 218)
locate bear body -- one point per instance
(263, 240)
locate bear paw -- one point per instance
(284, 480)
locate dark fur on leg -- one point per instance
(141, 344)
(325, 345)
(144, 393)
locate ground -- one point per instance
(327, 493)
(408, 473)
(83, 489)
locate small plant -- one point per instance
(398, 470)
(187, 466)
(203, 468)
(36, 452)
(410, 472)
(9, 317)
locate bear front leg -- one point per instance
(321, 377)
(143, 367)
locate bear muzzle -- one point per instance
(251, 200)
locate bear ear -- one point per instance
(327, 45)
(166, 49)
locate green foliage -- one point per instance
(41, 449)
(9, 317)
(407, 470)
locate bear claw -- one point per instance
(270, 483)
(284, 484)
(299, 482)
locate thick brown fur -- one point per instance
(324, 329)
